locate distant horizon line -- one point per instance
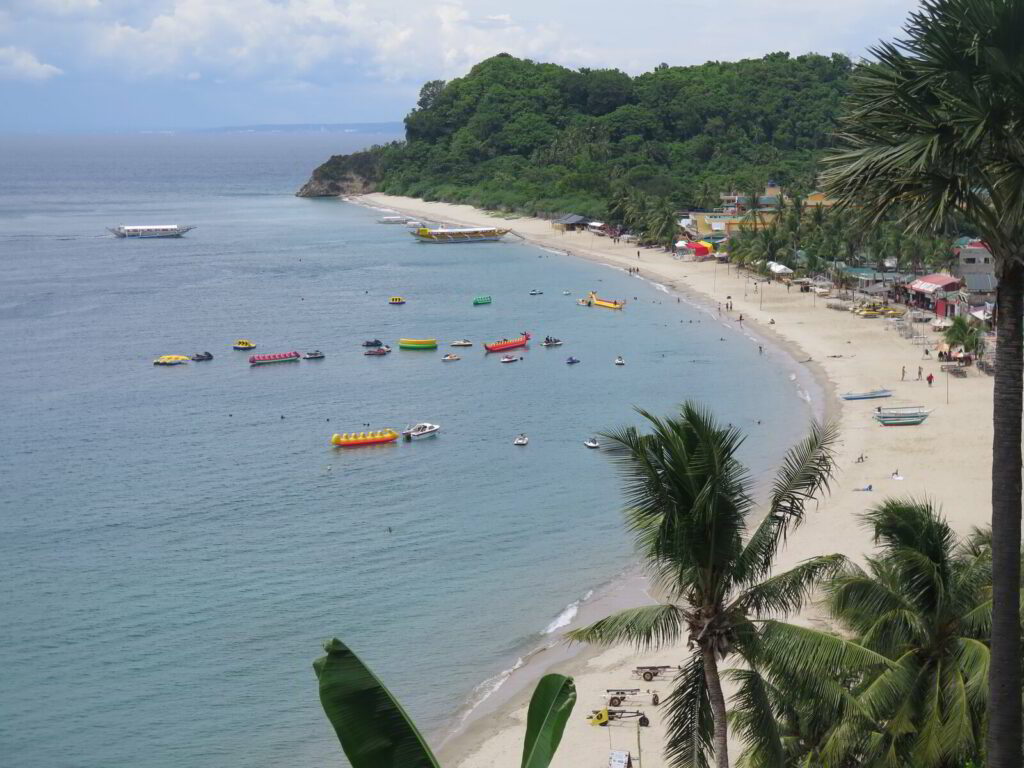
(380, 127)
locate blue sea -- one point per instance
(176, 543)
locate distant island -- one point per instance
(539, 138)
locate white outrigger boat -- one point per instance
(150, 230)
(458, 235)
(420, 431)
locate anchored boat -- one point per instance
(422, 430)
(461, 235)
(592, 300)
(355, 440)
(505, 344)
(171, 360)
(417, 343)
(149, 230)
(462, 343)
(280, 357)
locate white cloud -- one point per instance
(21, 64)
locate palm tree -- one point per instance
(689, 502)
(925, 603)
(962, 333)
(934, 127)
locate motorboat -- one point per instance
(316, 354)
(450, 358)
(591, 442)
(150, 230)
(243, 344)
(171, 360)
(202, 356)
(535, 292)
(396, 301)
(873, 394)
(567, 293)
(572, 360)
(420, 431)
(377, 351)
(506, 344)
(619, 360)
(521, 440)
(355, 440)
(462, 343)
(551, 341)
(509, 359)
(373, 343)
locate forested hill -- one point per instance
(521, 135)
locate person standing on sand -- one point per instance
(920, 372)
(930, 379)
(903, 375)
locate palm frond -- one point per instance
(787, 592)
(649, 626)
(753, 719)
(690, 730)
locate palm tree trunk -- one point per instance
(717, 704)
(1004, 706)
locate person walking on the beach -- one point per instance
(903, 375)
(719, 309)
(920, 373)
(760, 349)
(930, 379)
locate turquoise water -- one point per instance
(175, 543)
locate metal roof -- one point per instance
(981, 282)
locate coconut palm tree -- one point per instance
(924, 602)
(962, 333)
(690, 501)
(935, 126)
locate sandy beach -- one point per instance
(947, 459)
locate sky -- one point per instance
(100, 65)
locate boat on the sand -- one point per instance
(420, 431)
(873, 394)
(911, 420)
(357, 439)
(504, 344)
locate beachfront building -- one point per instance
(937, 292)
(570, 222)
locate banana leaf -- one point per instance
(550, 706)
(374, 730)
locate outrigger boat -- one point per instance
(905, 411)
(171, 360)
(377, 351)
(462, 343)
(354, 440)
(373, 343)
(551, 341)
(417, 343)
(243, 344)
(200, 357)
(420, 431)
(592, 300)
(396, 301)
(461, 235)
(150, 230)
(280, 357)
(505, 344)
(481, 300)
(909, 420)
(316, 354)
(874, 394)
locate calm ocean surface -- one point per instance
(175, 543)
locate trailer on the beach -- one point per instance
(606, 716)
(649, 673)
(616, 696)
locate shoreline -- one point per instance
(837, 351)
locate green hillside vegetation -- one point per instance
(519, 135)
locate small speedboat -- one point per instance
(619, 360)
(420, 431)
(377, 351)
(591, 442)
(316, 354)
(450, 358)
(535, 292)
(509, 359)
(572, 360)
(462, 343)
(551, 341)
(243, 344)
(374, 343)
(566, 293)
(202, 356)
(521, 440)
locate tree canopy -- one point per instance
(538, 137)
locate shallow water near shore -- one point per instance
(176, 543)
